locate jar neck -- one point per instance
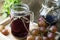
(19, 13)
(20, 10)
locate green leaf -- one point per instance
(8, 4)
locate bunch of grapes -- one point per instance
(44, 32)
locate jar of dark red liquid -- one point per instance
(20, 20)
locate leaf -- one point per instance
(8, 4)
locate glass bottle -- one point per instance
(50, 11)
(20, 20)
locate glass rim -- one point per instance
(20, 6)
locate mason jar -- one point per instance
(49, 11)
(20, 20)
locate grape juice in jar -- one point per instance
(20, 19)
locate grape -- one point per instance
(41, 18)
(45, 38)
(42, 29)
(38, 38)
(42, 22)
(51, 35)
(53, 28)
(30, 37)
(5, 32)
(35, 32)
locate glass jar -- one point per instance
(50, 10)
(20, 20)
